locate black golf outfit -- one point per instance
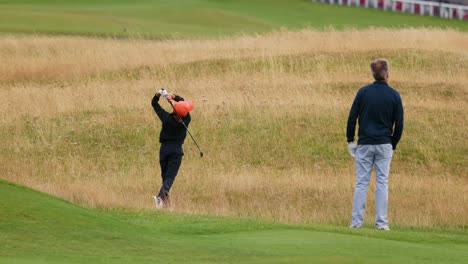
(172, 137)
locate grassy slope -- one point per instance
(156, 18)
(36, 228)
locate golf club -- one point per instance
(186, 128)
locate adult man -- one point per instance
(380, 112)
(172, 136)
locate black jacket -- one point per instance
(380, 111)
(172, 131)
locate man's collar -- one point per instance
(381, 82)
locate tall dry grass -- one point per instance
(270, 115)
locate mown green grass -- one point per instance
(37, 228)
(194, 18)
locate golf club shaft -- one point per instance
(186, 128)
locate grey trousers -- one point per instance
(366, 157)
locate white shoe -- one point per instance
(354, 226)
(159, 202)
(385, 228)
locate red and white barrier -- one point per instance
(428, 8)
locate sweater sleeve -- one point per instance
(352, 118)
(178, 98)
(162, 114)
(398, 127)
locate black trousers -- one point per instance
(170, 158)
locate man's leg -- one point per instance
(163, 162)
(173, 165)
(364, 162)
(383, 159)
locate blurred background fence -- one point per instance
(451, 9)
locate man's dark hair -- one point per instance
(379, 69)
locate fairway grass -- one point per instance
(195, 18)
(37, 228)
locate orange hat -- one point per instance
(183, 107)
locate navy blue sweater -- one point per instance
(172, 131)
(380, 112)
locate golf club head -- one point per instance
(201, 154)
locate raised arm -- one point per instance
(162, 114)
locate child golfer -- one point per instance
(172, 137)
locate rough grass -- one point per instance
(270, 115)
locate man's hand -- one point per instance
(352, 148)
(170, 96)
(163, 92)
